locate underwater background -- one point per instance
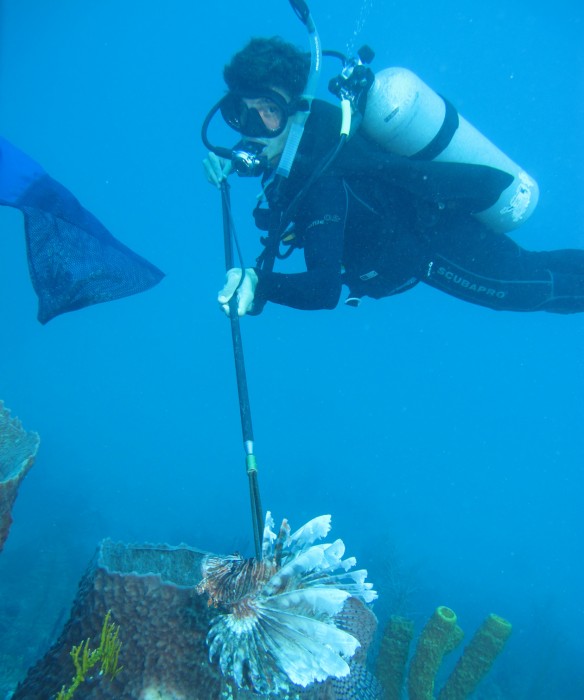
(446, 439)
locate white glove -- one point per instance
(217, 169)
(245, 293)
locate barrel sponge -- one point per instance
(163, 621)
(435, 641)
(393, 656)
(477, 658)
(17, 452)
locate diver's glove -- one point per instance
(216, 169)
(245, 293)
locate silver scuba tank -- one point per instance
(406, 117)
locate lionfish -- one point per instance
(282, 614)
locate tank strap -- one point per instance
(443, 137)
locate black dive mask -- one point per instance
(261, 115)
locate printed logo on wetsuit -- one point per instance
(467, 284)
(326, 219)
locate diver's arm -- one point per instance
(322, 223)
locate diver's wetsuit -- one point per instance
(380, 224)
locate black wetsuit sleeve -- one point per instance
(320, 224)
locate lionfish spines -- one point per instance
(228, 580)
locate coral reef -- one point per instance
(18, 450)
(151, 591)
(154, 594)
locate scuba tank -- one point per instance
(405, 116)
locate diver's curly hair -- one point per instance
(268, 63)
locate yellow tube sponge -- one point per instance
(454, 640)
(393, 656)
(435, 641)
(477, 658)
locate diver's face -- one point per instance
(270, 112)
(271, 115)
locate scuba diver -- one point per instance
(375, 221)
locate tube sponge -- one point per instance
(435, 641)
(477, 658)
(393, 656)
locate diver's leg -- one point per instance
(486, 268)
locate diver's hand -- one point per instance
(216, 169)
(245, 293)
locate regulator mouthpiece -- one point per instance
(247, 159)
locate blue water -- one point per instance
(445, 439)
